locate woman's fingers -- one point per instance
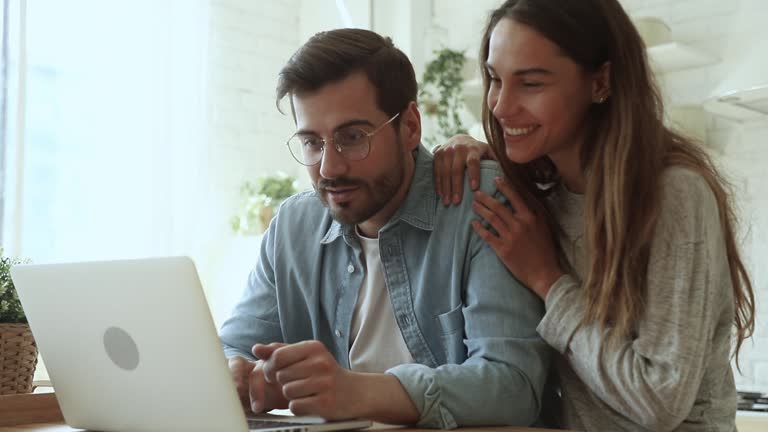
(498, 217)
(447, 172)
(458, 157)
(473, 169)
(465, 159)
(494, 241)
(458, 166)
(524, 242)
(519, 207)
(506, 214)
(437, 169)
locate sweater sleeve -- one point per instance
(653, 376)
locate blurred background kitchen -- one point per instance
(148, 127)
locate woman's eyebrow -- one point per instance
(524, 72)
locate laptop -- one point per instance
(131, 345)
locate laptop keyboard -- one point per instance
(264, 424)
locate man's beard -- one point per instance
(373, 195)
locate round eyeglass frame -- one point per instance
(368, 136)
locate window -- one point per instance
(107, 161)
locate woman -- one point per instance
(623, 227)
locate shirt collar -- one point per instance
(418, 209)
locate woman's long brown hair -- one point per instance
(626, 149)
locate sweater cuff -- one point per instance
(563, 314)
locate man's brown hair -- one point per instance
(331, 56)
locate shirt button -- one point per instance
(337, 333)
(351, 268)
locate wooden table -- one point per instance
(58, 427)
(41, 413)
(28, 408)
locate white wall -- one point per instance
(728, 29)
(407, 23)
(249, 42)
(323, 15)
(459, 24)
(744, 153)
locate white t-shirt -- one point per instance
(377, 343)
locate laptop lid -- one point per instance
(131, 345)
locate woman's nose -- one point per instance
(505, 104)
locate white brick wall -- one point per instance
(727, 29)
(744, 153)
(249, 43)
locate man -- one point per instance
(370, 298)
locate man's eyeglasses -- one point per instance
(351, 142)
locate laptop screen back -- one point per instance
(130, 345)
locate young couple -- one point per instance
(601, 244)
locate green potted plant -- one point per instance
(441, 94)
(18, 351)
(260, 200)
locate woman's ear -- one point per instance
(601, 83)
(410, 126)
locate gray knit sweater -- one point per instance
(674, 373)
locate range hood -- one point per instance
(666, 54)
(743, 94)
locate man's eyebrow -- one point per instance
(523, 72)
(353, 122)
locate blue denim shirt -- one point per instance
(468, 323)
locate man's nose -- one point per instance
(332, 163)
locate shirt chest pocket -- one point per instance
(452, 334)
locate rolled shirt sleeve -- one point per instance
(502, 379)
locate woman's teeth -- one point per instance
(519, 131)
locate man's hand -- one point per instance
(311, 380)
(254, 392)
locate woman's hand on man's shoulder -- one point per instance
(460, 153)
